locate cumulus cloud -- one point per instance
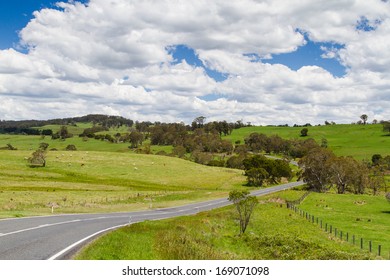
(116, 57)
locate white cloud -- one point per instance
(112, 57)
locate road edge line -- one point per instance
(54, 257)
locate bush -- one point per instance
(71, 147)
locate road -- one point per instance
(58, 236)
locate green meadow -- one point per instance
(359, 141)
(274, 232)
(85, 181)
(109, 177)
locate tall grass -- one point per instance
(273, 233)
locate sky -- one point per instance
(267, 62)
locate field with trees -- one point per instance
(100, 163)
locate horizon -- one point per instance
(264, 62)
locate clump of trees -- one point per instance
(260, 169)
(245, 204)
(322, 170)
(62, 134)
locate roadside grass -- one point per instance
(273, 233)
(85, 181)
(365, 216)
(359, 141)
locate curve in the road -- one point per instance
(53, 237)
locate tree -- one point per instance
(388, 196)
(43, 146)
(136, 138)
(386, 127)
(245, 205)
(315, 171)
(256, 176)
(71, 147)
(364, 118)
(304, 132)
(37, 159)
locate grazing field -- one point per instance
(274, 232)
(86, 181)
(359, 141)
(109, 177)
(364, 216)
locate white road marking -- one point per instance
(38, 227)
(81, 241)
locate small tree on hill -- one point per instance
(37, 159)
(304, 132)
(364, 118)
(244, 204)
(386, 127)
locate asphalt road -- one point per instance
(57, 236)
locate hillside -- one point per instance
(359, 141)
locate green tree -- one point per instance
(364, 118)
(315, 170)
(43, 146)
(386, 127)
(256, 176)
(37, 159)
(245, 205)
(136, 138)
(304, 132)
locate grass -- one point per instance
(359, 141)
(84, 181)
(364, 216)
(273, 233)
(106, 177)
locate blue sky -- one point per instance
(14, 15)
(220, 59)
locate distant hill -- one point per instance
(24, 126)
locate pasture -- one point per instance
(359, 141)
(91, 181)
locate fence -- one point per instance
(338, 233)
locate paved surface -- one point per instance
(55, 237)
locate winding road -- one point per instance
(57, 237)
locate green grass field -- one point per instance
(107, 177)
(359, 141)
(274, 232)
(364, 216)
(85, 181)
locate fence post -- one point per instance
(347, 237)
(379, 249)
(370, 246)
(361, 243)
(353, 239)
(326, 227)
(341, 235)
(330, 229)
(335, 232)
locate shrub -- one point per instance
(71, 147)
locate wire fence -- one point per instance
(362, 242)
